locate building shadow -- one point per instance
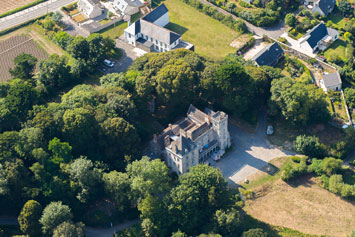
(176, 28)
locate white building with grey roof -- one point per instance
(331, 81)
(127, 7)
(192, 140)
(149, 33)
(90, 8)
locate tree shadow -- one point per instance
(176, 28)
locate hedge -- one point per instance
(22, 8)
(4, 32)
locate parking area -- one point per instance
(251, 152)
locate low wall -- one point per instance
(93, 29)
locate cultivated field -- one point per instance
(7, 5)
(305, 206)
(14, 46)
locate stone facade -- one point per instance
(193, 140)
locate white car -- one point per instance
(108, 63)
(270, 130)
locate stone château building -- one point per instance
(193, 139)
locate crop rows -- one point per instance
(7, 5)
(14, 46)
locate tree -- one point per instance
(331, 165)
(299, 103)
(54, 73)
(24, 66)
(63, 39)
(117, 186)
(179, 234)
(200, 193)
(227, 222)
(350, 97)
(67, 229)
(147, 177)
(29, 218)
(348, 36)
(255, 233)
(53, 215)
(290, 19)
(344, 7)
(61, 151)
(118, 138)
(79, 127)
(231, 6)
(20, 98)
(83, 173)
(310, 146)
(57, 17)
(79, 48)
(236, 87)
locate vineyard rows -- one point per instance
(14, 46)
(7, 5)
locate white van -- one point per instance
(108, 63)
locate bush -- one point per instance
(255, 233)
(310, 146)
(294, 170)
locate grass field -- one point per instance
(304, 206)
(337, 19)
(210, 37)
(337, 48)
(116, 30)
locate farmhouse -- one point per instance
(90, 8)
(127, 7)
(323, 7)
(318, 38)
(331, 81)
(149, 34)
(269, 56)
(193, 139)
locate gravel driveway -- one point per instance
(250, 153)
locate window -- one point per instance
(129, 35)
(161, 44)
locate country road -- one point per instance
(32, 13)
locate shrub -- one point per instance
(310, 146)
(255, 233)
(336, 183)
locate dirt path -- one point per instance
(306, 207)
(95, 232)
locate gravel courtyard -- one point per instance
(250, 153)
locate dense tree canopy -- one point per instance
(24, 66)
(29, 218)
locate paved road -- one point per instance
(94, 232)
(251, 152)
(274, 31)
(32, 13)
(5, 220)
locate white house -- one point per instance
(331, 81)
(193, 140)
(149, 34)
(323, 7)
(127, 7)
(318, 38)
(90, 8)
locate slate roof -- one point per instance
(331, 79)
(134, 3)
(269, 55)
(316, 34)
(156, 32)
(156, 13)
(325, 5)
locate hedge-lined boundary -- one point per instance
(237, 25)
(22, 8)
(4, 32)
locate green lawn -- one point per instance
(210, 37)
(116, 30)
(337, 48)
(336, 18)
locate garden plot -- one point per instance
(14, 46)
